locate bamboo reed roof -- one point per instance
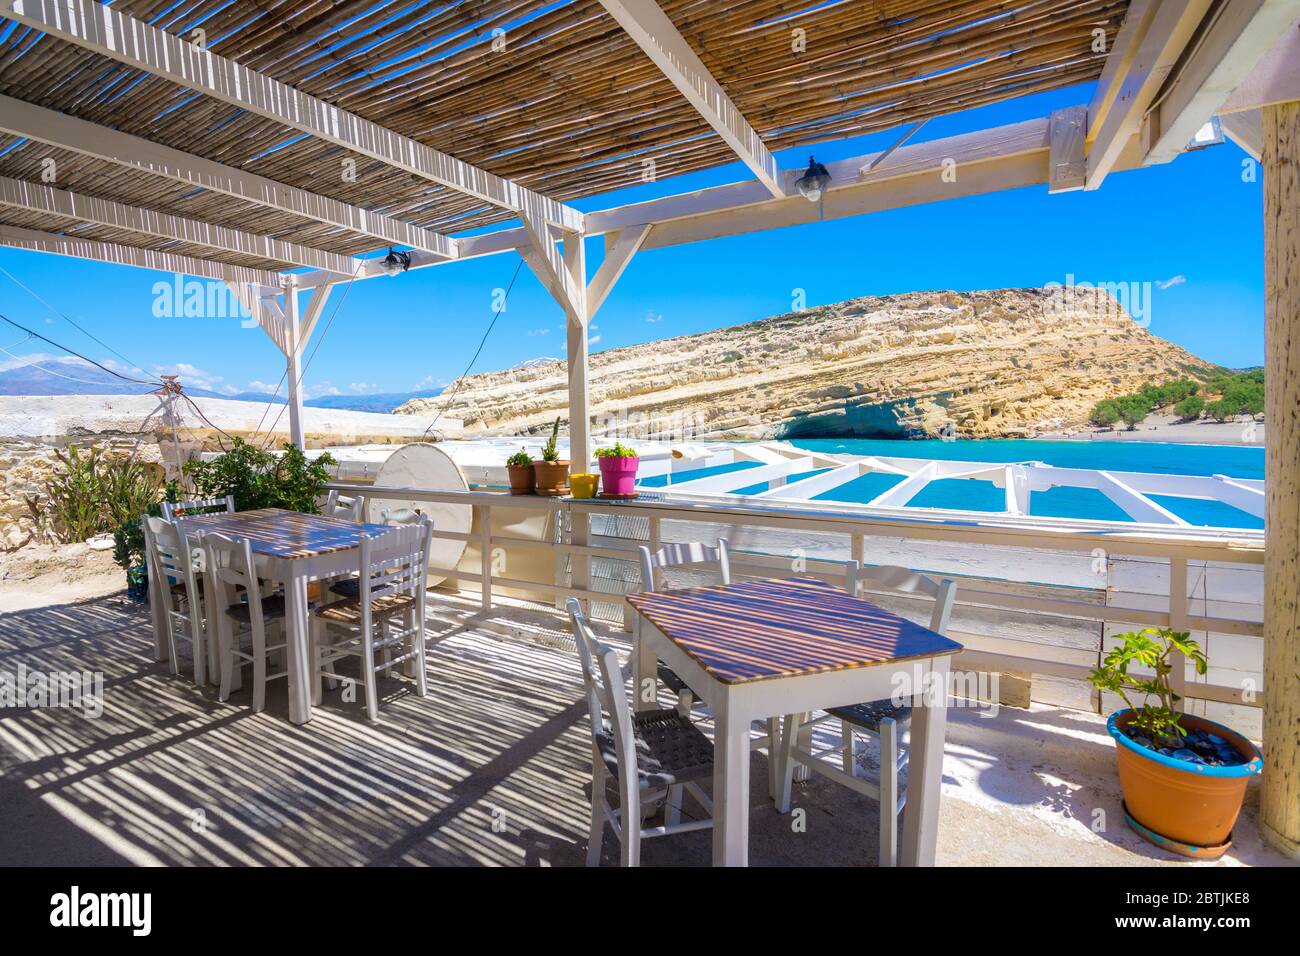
(569, 108)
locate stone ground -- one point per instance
(492, 768)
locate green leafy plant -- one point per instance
(128, 538)
(1150, 649)
(1190, 408)
(90, 494)
(619, 450)
(520, 459)
(259, 479)
(549, 452)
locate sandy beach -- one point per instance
(1167, 428)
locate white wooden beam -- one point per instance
(100, 142)
(907, 489)
(263, 304)
(1274, 79)
(655, 34)
(1227, 49)
(62, 245)
(618, 254)
(1136, 505)
(540, 252)
(1118, 63)
(38, 197)
(1246, 129)
(314, 309)
(807, 488)
(1067, 167)
(102, 29)
(1152, 38)
(727, 482)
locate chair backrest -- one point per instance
(173, 558)
(606, 690)
(676, 555)
(230, 563)
(171, 509)
(400, 516)
(396, 562)
(888, 577)
(343, 506)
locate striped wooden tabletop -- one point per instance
(784, 627)
(283, 534)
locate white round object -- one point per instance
(426, 467)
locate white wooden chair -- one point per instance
(696, 552)
(247, 606)
(176, 569)
(881, 718)
(394, 573)
(653, 754)
(350, 587)
(172, 509)
(344, 506)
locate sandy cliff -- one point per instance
(1001, 363)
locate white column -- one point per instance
(293, 360)
(576, 321)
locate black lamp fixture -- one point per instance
(812, 184)
(396, 261)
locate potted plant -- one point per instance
(618, 470)
(1183, 776)
(128, 554)
(551, 474)
(519, 467)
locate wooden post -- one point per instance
(1280, 798)
(576, 318)
(293, 370)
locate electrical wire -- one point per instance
(16, 281)
(302, 373)
(483, 341)
(58, 345)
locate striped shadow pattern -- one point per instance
(284, 534)
(783, 628)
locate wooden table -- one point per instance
(293, 549)
(776, 647)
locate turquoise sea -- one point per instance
(1237, 461)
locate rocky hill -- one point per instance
(999, 363)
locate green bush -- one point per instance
(89, 494)
(259, 479)
(1105, 413)
(1190, 408)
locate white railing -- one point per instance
(1034, 597)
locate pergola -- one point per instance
(271, 145)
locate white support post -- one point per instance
(293, 370)
(576, 320)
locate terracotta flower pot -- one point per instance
(1186, 807)
(521, 479)
(618, 475)
(552, 477)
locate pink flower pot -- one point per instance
(618, 475)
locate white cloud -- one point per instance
(540, 332)
(652, 317)
(256, 386)
(194, 377)
(324, 388)
(594, 340)
(429, 382)
(1169, 283)
(360, 388)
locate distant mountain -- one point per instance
(73, 376)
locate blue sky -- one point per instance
(1193, 227)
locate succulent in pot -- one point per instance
(1183, 776)
(519, 467)
(618, 466)
(551, 473)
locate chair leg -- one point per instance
(888, 793)
(199, 643)
(317, 667)
(596, 835)
(173, 661)
(846, 742)
(368, 674)
(421, 677)
(630, 850)
(773, 757)
(673, 806)
(259, 669)
(227, 639)
(685, 701)
(787, 767)
(802, 773)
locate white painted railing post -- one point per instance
(485, 545)
(1178, 621)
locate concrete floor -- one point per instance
(492, 768)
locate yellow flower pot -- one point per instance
(583, 486)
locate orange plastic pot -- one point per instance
(1184, 803)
